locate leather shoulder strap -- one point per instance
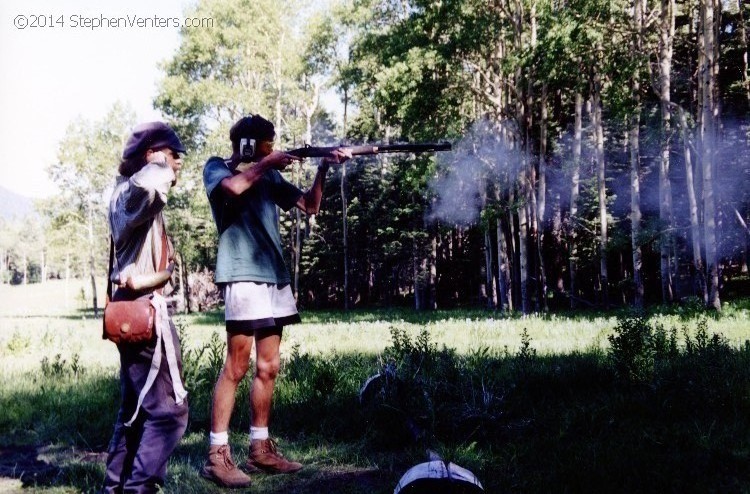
(111, 267)
(164, 249)
(164, 246)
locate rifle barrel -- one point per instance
(370, 149)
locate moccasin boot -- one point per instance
(265, 457)
(220, 468)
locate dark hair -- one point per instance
(251, 127)
(131, 166)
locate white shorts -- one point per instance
(251, 305)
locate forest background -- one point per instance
(599, 153)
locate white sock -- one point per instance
(218, 438)
(258, 433)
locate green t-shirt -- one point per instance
(249, 238)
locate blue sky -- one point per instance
(51, 75)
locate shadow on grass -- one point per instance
(40, 469)
(43, 467)
(521, 422)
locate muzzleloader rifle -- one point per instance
(368, 149)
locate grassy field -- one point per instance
(583, 402)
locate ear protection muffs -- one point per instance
(247, 149)
(247, 146)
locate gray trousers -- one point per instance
(138, 455)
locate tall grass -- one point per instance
(581, 403)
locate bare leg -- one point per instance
(267, 342)
(264, 455)
(235, 368)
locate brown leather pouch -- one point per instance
(129, 321)
(132, 321)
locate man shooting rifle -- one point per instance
(258, 299)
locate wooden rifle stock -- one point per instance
(324, 152)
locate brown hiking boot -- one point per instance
(265, 457)
(220, 468)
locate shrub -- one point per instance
(632, 351)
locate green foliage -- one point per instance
(62, 402)
(201, 367)
(428, 396)
(18, 343)
(642, 352)
(59, 367)
(632, 350)
(312, 378)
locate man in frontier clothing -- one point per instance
(258, 298)
(153, 412)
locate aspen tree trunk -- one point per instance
(43, 261)
(559, 236)
(743, 39)
(523, 236)
(185, 284)
(708, 134)
(345, 236)
(415, 274)
(507, 266)
(488, 268)
(92, 261)
(525, 176)
(25, 264)
(542, 197)
(344, 222)
(700, 79)
(666, 35)
(601, 188)
(695, 233)
(635, 208)
(745, 239)
(279, 91)
(718, 124)
(297, 244)
(504, 250)
(432, 261)
(503, 269)
(296, 230)
(488, 271)
(635, 167)
(535, 222)
(515, 271)
(575, 187)
(693, 89)
(67, 278)
(309, 109)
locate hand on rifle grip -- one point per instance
(280, 160)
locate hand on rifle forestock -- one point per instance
(337, 156)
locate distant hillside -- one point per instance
(14, 206)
